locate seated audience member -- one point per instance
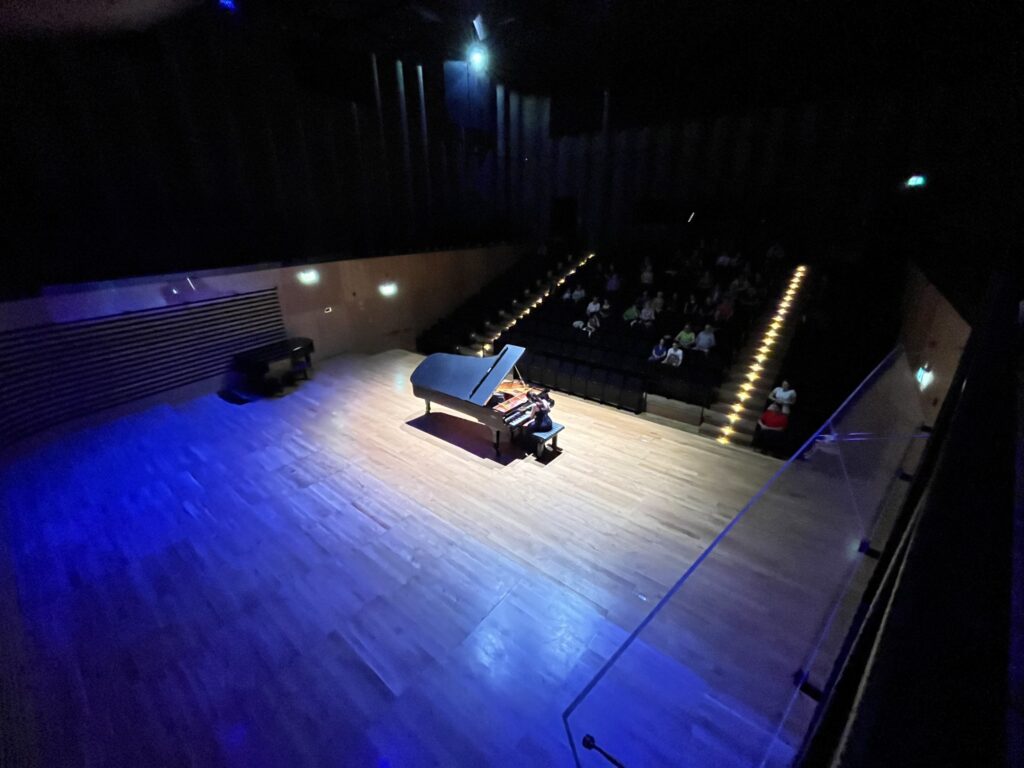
(705, 341)
(594, 306)
(647, 273)
(579, 294)
(632, 314)
(606, 308)
(674, 356)
(567, 296)
(673, 304)
(659, 351)
(686, 337)
(784, 395)
(613, 283)
(593, 323)
(691, 308)
(658, 302)
(771, 428)
(647, 315)
(773, 419)
(709, 307)
(724, 310)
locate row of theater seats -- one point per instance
(626, 353)
(594, 383)
(453, 331)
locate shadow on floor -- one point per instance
(470, 436)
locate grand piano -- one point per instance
(478, 387)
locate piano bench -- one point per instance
(541, 439)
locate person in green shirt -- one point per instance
(686, 337)
(632, 314)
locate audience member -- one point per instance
(647, 315)
(632, 314)
(686, 337)
(647, 273)
(674, 356)
(594, 306)
(606, 307)
(724, 310)
(773, 419)
(691, 308)
(579, 294)
(613, 283)
(784, 395)
(659, 351)
(705, 341)
(593, 323)
(658, 302)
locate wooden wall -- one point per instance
(342, 312)
(933, 332)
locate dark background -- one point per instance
(150, 137)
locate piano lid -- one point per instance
(473, 379)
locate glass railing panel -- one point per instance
(723, 670)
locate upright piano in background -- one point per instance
(485, 388)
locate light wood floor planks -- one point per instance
(333, 579)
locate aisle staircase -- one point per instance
(732, 416)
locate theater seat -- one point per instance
(596, 384)
(579, 380)
(612, 392)
(632, 394)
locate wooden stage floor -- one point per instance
(334, 579)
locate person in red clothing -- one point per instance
(773, 419)
(771, 429)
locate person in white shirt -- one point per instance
(674, 356)
(784, 395)
(579, 294)
(705, 340)
(594, 306)
(647, 315)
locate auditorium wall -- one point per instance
(933, 333)
(342, 312)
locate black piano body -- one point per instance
(254, 364)
(477, 387)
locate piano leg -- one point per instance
(428, 406)
(497, 443)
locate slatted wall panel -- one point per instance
(53, 373)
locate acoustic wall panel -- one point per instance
(50, 374)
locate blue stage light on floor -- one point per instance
(917, 180)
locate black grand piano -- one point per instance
(478, 387)
(254, 364)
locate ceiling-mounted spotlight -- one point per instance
(476, 55)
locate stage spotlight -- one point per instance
(308, 277)
(477, 56)
(388, 289)
(917, 180)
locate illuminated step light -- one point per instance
(388, 289)
(742, 396)
(726, 431)
(723, 440)
(733, 418)
(752, 376)
(308, 277)
(755, 367)
(737, 407)
(917, 180)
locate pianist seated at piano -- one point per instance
(540, 413)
